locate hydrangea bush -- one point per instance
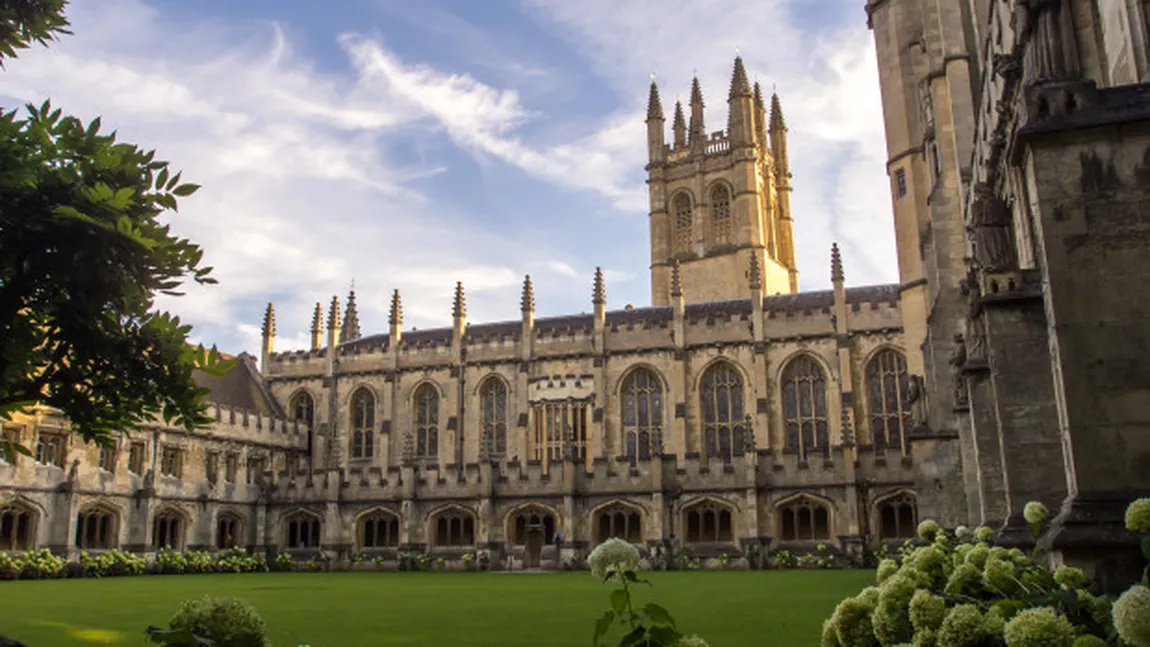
(218, 621)
(617, 561)
(961, 590)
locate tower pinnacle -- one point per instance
(654, 103)
(777, 121)
(269, 327)
(676, 280)
(395, 315)
(599, 293)
(739, 85)
(527, 301)
(350, 329)
(836, 264)
(459, 304)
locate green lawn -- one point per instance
(729, 608)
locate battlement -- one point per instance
(239, 422)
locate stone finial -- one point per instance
(333, 314)
(395, 315)
(654, 104)
(599, 293)
(696, 93)
(755, 273)
(317, 319)
(527, 301)
(836, 264)
(676, 280)
(459, 304)
(740, 87)
(269, 327)
(777, 121)
(350, 329)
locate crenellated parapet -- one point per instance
(249, 425)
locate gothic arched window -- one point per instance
(302, 408)
(897, 517)
(362, 424)
(15, 528)
(804, 519)
(805, 406)
(301, 530)
(379, 530)
(681, 239)
(168, 531)
(426, 422)
(887, 385)
(720, 216)
(722, 395)
(532, 519)
(707, 522)
(454, 527)
(97, 529)
(493, 395)
(642, 394)
(228, 529)
(619, 521)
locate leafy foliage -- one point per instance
(24, 22)
(218, 621)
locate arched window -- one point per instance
(805, 407)
(228, 528)
(529, 520)
(887, 385)
(168, 531)
(301, 530)
(619, 521)
(362, 424)
(426, 422)
(898, 517)
(804, 519)
(681, 239)
(722, 393)
(642, 394)
(493, 394)
(379, 530)
(707, 522)
(720, 216)
(454, 527)
(97, 529)
(302, 408)
(15, 527)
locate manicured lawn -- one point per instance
(729, 609)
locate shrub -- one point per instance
(228, 622)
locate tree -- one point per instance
(82, 255)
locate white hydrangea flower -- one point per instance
(691, 641)
(1132, 616)
(611, 557)
(963, 533)
(1138, 515)
(1035, 512)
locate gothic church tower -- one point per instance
(719, 199)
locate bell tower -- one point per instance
(718, 199)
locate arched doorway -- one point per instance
(533, 528)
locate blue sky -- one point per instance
(410, 144)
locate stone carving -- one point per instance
(989, 229)
(1045, 32)
(74, 472)
(957, 361)
(656, 443)
(975, 334)
(1007, 66)
(749, 438)
(916, 399)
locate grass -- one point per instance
(729, 608)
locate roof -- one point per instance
(241, 387)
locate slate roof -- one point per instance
(242, 387)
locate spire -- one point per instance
(696, 93)
(758, 94)
(350, 329)
(654, 104)
(317, 327)
(599, 294)
(459, 305)
(698, 136)
(777, 122)
(679, 126)
(269, 327)
(527, 301)
(754, 274)
(676, 280)
(836, 264)
(739, 85)
(333, 314)
(395, 315)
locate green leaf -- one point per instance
(184, 190)
(162, 178)
(659, 615)
(602, 625)
(664, 636)
(1146, 547)
(637, 637)
(619, 598)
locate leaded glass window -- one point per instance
(642, 395)
(723, 423)
(805, 407)
(887, 386)
(681, 242)
(619, 521)
(426, 422)
(706, 522)
(898, 517)
(493, 394)
(720, 216)
(362, 424)
(804, 519)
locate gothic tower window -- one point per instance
(301, 530)
(362, 424)
(532, 519)
(228, 528)
(642, 394)
(379, 530)
(707, 523)
(493, 395)
(454, 527)
(681, 207)
(302, 408)
(887, 384)
(619, 521)
(720, 216)
(96, 529)
(426, 422)
(897, 517)
(722, 396)
(805, 407)
(556, 425)
(15, 527)
(168, 531)
(804, 519)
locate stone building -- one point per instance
(1018, 135)
(734, 412)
